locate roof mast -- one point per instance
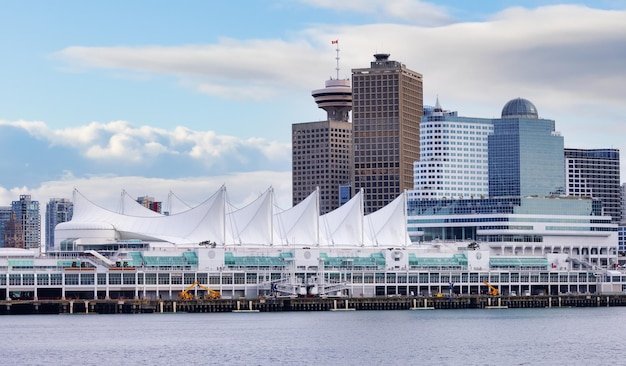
(337, 58)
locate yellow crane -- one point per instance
(492, 290)
(210, 293)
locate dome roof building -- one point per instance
(525, 153)
(519, 108)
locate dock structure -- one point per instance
(130, 306)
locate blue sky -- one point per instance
(152, 96)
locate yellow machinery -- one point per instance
(210, 293)
(492, 290)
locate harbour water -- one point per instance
(556, 336)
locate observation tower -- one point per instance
(336, 97)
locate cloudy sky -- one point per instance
(153, 97)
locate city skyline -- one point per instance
(153, 99)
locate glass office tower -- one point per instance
(525, 154)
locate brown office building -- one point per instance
(386, 113)
(322, 150)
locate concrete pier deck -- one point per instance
(130, 306)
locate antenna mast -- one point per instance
(337, 58)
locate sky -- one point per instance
(153, 97)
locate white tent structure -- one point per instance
(343, 226)
(384, 228)
(176, 205)
(256, 224)
(90, 221)
(252, 224)
(299, 225)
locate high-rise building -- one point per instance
(623, 203)
(525, 154)
(28, 219)
(453, 156)
(150, 203)
(387, 109)
(322, 150)
(58, 210)
(595, 173)
(13, 233)
(5, 216)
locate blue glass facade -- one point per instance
(506, 213)
(525, 158)
(58, 210)
(505, 205)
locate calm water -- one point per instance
(573, 336)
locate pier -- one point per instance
(129, 306)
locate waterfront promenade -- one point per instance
(129, 306)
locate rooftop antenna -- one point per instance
(337, 58)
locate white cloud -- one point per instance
(548, 49)
(412, 11)
(119, 140)
(254, 69)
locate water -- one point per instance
(568, 336)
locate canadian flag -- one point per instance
(334, 42)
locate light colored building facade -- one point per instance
(622, 240)
(322, 150)
(595, 173)
(623, 203)
(58, 210)
(453, 156)
(387, 109)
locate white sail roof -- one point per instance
(203, 222)
(176, 205)
(299, 225)
(344, 225)
(254, 224)
(387, 226)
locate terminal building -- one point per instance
(255, 251)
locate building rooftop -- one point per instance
(519, 108)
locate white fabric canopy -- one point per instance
(343, 226)
(254, 224)
(387, 226)
(299, 225)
